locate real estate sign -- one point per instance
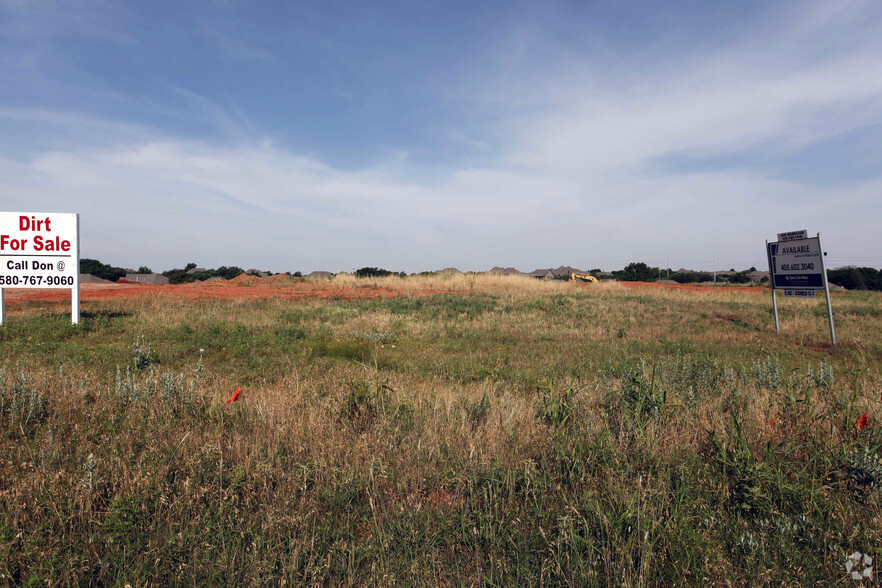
(40, 250)
(797, 264)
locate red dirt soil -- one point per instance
(281, 286)
(250, 287)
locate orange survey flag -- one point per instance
(235, 396)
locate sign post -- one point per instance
(827, 292)
(796, 266)
(40, 250)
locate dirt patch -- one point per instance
(256, 288)
(244, 280)
(278, 279)
(284, 287)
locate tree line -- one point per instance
(641, 272)
(175, 276)
(849, 277)
(856, 278)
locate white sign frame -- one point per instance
(40, 250)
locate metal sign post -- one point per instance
(827, 292)
(772, 282)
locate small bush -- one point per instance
(142, 353)
(22, 407)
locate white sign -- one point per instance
(800, 293)
(797, 264)
(793, 235)
(39, 250)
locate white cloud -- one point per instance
(167, 203)
(573, 180)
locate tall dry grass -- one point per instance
(481, 430)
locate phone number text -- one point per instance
(36, 281)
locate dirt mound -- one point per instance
(277, 279)
(244, 280)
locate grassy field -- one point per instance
(469, 431)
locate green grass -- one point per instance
(498, 435)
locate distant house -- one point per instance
(505, 271)
(449, 270)
(90, 279)
(196, 270)
(566, 270)
(257, 273)
(552, 273)
(320, 274)
(758, 277)
(152, 279)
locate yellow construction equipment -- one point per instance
(584, 277)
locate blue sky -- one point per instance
(335, 135)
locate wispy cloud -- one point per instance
(674, 161)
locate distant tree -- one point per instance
(372, 272)
(181, 276)
(176, 276)
(189, 266)
(228, 273)
(856, 278)
(690, 277)
(199, 276)
(144, 270)
(638, 272)
(297, 275)
(101, 270)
